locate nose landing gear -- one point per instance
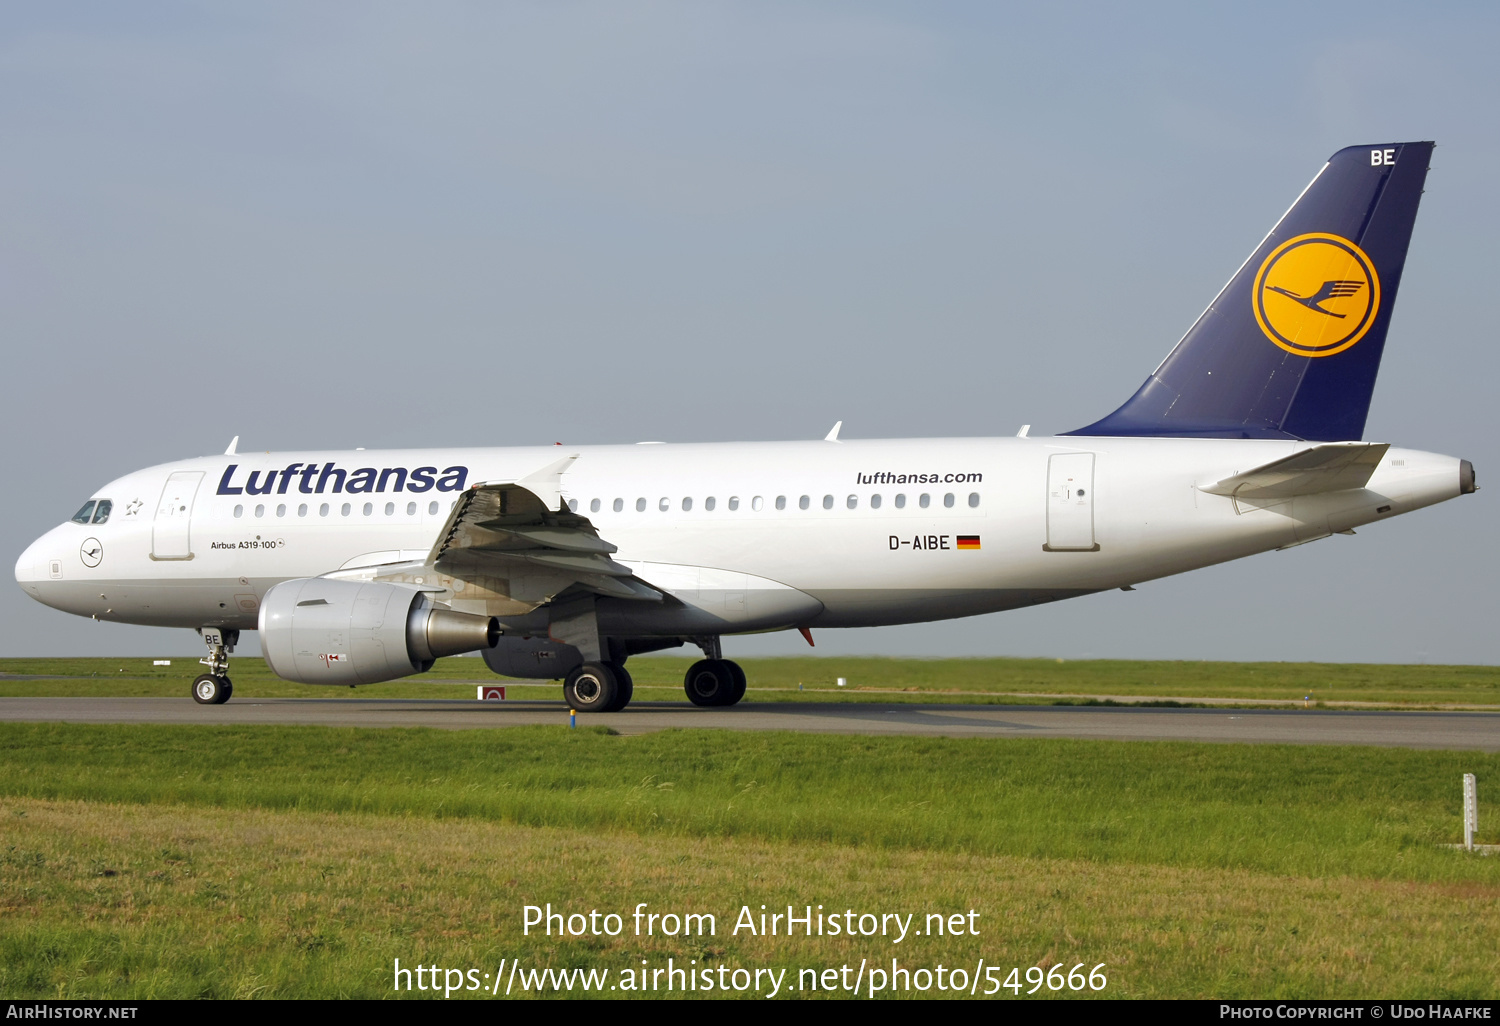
(211, 690)
(214, 687)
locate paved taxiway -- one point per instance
(1453, 730)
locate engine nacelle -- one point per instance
(320, 631)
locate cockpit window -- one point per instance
(101, 511)
(84, 514)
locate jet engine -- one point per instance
(320, 631)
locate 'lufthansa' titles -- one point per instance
(315, 478)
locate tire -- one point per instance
(593, 687)
(228, 690)
(209, 690)
(739, 682)
(709, 682)
(626, 687)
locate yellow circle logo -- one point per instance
(1316, 295)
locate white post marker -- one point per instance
(843, 681)
(1471, 811)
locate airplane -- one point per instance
(562, 562)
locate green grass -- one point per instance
(1318, 810)
(911, 680)
(172, 861)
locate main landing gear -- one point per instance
(605, 686)
(214, 687)
(714, 682)
(599, 687)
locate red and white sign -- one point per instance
(491, 693)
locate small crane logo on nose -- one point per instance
(91, 552)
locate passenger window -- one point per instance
(281, 509)
(757, 503)
(708, 504)
(665, 504)
(640, 505)
(924, 500)
(900, 500)
(431, 509)
(948, 500)
(875, 501)
(572, 505)
(101, 511)
(804, 502)
(594, 506)
(369, 508)
(239, 511)
(260, 511)
(687, 505)
(851, 502)
(734, 502)
(323, 510)
(390, 508)
(973, 500)
(619, 505)
(85, 514)
(781, 502)
(411, 509)
(828, 502)
(345, 510)
(302, 510)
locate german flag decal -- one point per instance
(968, 541)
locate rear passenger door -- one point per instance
(1070, 503)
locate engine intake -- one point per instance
(319, 631)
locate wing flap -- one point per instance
(506, 530)
(1330, 467)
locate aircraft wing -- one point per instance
(1330, 467)
(506, 530)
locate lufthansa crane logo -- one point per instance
(1316, 295)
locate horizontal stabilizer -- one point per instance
(1323, 468)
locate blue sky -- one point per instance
(391, 225)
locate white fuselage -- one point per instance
(722, 527)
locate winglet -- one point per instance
(833, 436)
(547, 482)
(1025, 430)
(234, 443)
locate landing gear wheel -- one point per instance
(710, 682)
(211, 690)
(228, 690)
(593, 687)
(626, 689)
(739, 682)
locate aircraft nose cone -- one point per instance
(32, 564)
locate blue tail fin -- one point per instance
(1291, 346)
